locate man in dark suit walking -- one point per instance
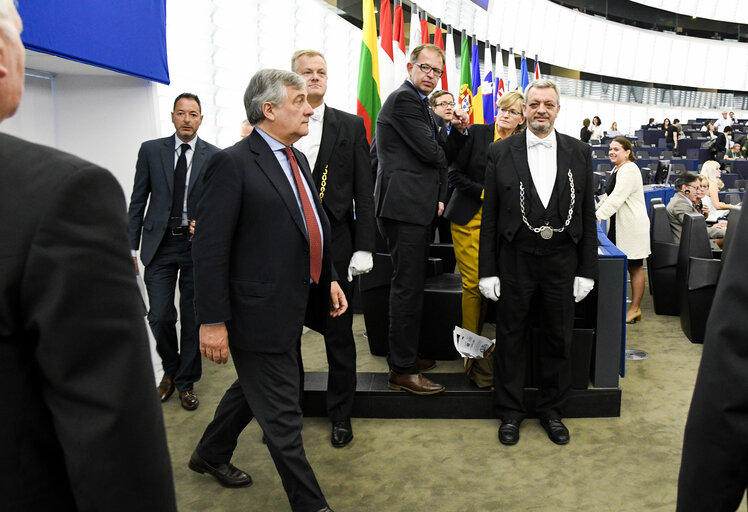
(538, 238)
(263, 268)
(71, 325)
(168, 178)
(410, 190)
(713, 472)
(338, 153)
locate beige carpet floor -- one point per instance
(618, 464)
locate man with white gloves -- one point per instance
(338, 154)
(538, 238)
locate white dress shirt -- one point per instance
(309, 144)
(278, 148)
(541, 158)
(190, 153)
(720, 123)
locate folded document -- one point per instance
(471, 345)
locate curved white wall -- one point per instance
(730, 11)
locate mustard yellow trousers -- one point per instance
(466, 240)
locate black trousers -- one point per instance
(408, 245)
(180, 358)
(341, 354)
(551, 277)
(267, 389)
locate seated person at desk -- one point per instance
(735, 152)
(613, 132)
(687, 188)
(711, 171)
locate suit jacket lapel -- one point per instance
(269, 165)
(198, 161)
(519, 154)
(330, 129)
(563, 164)
(167, 163)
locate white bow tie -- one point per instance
(540, 142)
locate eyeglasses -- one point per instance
(445, 104)
(509, 111)
(428, 69)
(697, 188)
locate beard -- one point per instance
(541, 128)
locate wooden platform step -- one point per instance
(460, 400)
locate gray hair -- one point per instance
(7, 10)
(268, 85)
(543, 84)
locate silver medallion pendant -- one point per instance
(546, 232)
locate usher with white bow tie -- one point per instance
(538, 247)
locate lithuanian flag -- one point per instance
(369, 100)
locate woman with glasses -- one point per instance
(464, 210)
(626, 213)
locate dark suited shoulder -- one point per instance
(71, 324)
(713, 470)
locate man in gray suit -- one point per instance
(168, 176)
(687, 192)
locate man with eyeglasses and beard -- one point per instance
(412, 150)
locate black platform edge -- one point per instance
(461, 400)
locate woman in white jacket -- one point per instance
(628, 222)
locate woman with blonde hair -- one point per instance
(717, 209)
(628, 222)
(464, 210)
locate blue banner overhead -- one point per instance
(128, 37)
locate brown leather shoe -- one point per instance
(425, 365)
(416, 383)
(189, 400)
(165, 388)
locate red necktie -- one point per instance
(312, 228)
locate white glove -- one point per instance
(361, 263)
(582, 286)
(490, 287)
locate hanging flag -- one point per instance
(415, 29)
(424, 28)
(524, 80)
(488, 98)
(537, 69)
(386, 57)
(398, 46)
(369, 100)
(476, 86)
(511, 76)
(496, 95)
(487, 86)
(465, 98)
(439, 41)
(449, 79)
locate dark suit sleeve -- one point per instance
(587, 247)
(489, 238)
(217, 214)
(416, 131)
(80, 299)
(363, 193)
(458, 176)
(140, 191)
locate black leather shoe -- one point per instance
(227, 475)
(342, 433)
(509, 432)
(326, 509)
(556, 430)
